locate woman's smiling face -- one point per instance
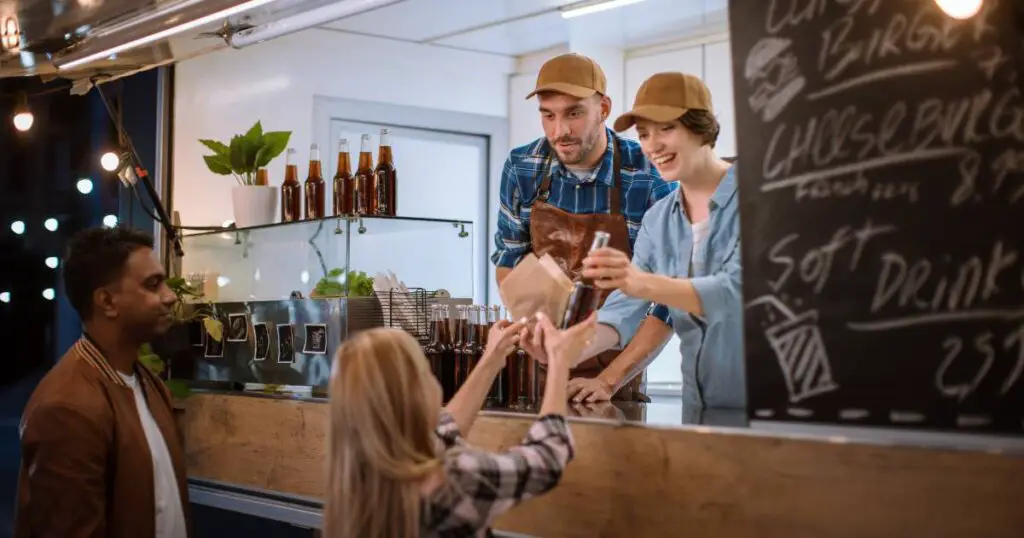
(673, 149)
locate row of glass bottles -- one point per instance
(457, 344)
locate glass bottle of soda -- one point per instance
(316, 190)
(343, 202)
(585, 298)
(291, 190)
(471, 345)
(366, 193)
(386, 177)
(496, 396)
(438, 350)
(458, 342)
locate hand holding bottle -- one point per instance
(561, 348)
(502, 339)
(612, 269)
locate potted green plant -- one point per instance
(243, 157)
(175, 346)
(333, 285)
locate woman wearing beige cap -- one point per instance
(687, 254)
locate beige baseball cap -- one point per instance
(666, 97)
(572, 74)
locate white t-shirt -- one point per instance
(585, 175)
(700, 236)
(170, 518)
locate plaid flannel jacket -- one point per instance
(481, 485)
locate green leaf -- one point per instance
(255, 134)
(151, 360)
(336, 272)
(217, 147)
(218, 164)
(176, 282)
(214, 328)
(274, 144)
(178, 388)
(238, 154)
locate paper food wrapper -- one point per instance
(536, 285)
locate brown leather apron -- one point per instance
(566, 237)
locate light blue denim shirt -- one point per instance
(712, 345)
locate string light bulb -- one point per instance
(109, 161)
(960, 9)
(23, 118)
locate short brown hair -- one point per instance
(703, 124)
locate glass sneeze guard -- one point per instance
(271, 262)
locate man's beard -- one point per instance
(586, 145)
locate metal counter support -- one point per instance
(293, 509)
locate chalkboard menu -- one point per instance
(881, 170)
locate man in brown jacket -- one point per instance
(100, 453)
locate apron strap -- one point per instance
(614, 194)
(545, 172)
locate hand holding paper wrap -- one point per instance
(536, 285)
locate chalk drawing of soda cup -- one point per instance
(799, 349)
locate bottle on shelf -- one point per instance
(291, 190)
(585, 297)
(386, 177)
(316, 190)
(496, 397)
(366, 193)
(343, 184)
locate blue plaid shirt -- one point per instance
(521, 178)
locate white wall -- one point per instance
(223, 93)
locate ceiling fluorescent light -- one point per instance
(306, 19)
(163, 34)
(586, 8)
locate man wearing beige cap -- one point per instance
(687, 253)
(579, 179)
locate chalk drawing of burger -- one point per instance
(773, 72)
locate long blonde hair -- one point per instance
(384, 405)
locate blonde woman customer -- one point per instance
(398, 466)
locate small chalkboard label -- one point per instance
(238, 327)
(881, 149)
(261, 336)
(285, 344)
(316, 339)
(213, 348)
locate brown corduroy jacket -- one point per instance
(86, 469)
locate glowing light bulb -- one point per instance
(84, 186)
(52, 262)
(110, 221)
(23, 121)
(960, 9)
(49, 294)
(5, 297)
(109, 161)
(18, 227)
(304, 277)
(51, 224)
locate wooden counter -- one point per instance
(630, 480)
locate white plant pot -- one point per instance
(254, 205)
